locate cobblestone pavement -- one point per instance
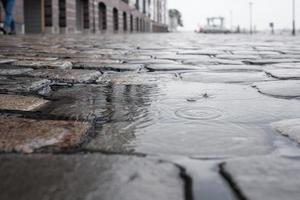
(150, 116)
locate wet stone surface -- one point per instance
(192, 101)
(88, 177)
(27, 135)
(265, 177)
(18, 102)
(67, 76)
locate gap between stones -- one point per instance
(231, 183)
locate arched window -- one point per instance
(131, 23)
(137, 24)
(102, 16)
(124, 21)
(62, 14)
(116, 19)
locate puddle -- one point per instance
(201, 113)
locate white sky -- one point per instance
(265, 11)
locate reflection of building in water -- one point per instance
(128, 110)
(60, 16)
(118, 109)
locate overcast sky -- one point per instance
(265, 11)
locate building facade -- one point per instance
(71, 16)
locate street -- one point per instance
(150, 116)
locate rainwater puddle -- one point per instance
(202, 113)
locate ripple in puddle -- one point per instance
(200, 113)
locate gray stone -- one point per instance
(133, 78)
(11, 71)
(26, 85)
(286, 89)
(111, 66)
(27, 135)
(237, 57)
(268, 178)
(284, 73)
(45, 64)
(69, 76)
(91, 177)
(270, 61)
(289, 127)
(171, 67)
(6, 61)
(151, 61)
(17, 102)
(234, 77)
(235, 68)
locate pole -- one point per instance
(251, 15)
(294, 18)
(231, 21)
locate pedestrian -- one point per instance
(9, 22)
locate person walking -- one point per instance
(9, 22)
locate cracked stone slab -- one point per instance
(22, 84)
(284, 73)
(6, 61)
(289, 127)
(284, 66)
(235, 68)
(27, 135)
(67, 75)
(285, 88)
(234, 77)
(33, 58)
(44, 64)
(151, 61)
(93, 177)
(111, 66)
(171, 67)
(133, 78)
(269, 177)
(18, 102)
(237, 57)
(270, 61)
(211, 61)
(11, 71)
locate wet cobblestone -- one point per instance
(206, 112)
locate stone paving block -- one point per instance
(268, 178)
(211, 61)
(151, 61)
(27, 135)
(93, 177)
(6, 61)
(234, 77)
(285, 89)
(284, 66)
(110, 66)
(67, 75)
(24, 84)
(44, 64)
(134, 78)
(270, 61)
(235, 68)
(33, 58)
(237, 57)
(11, 71)
(171, 67)
(284, 74)
(289, 127)
(17, 102)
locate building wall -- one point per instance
(150, 16)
